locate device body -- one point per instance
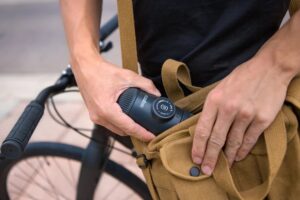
(156, 114)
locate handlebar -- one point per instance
(16, 141)
(14, 144)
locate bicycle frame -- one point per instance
(93, 162)
(94, 159)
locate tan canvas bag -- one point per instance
(270, 171)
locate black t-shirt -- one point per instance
(211, 36)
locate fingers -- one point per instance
(236, 134)
(252, 134)
(203, 130)
(125, 123)
(118, 122)
(101, 121)
(113, 128)
(219, 123)
(216, 140)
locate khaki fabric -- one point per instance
(270, 171)
(294, 6)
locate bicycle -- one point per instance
(92, 162)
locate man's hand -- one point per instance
(101, 83)
(237, 112)
(246, 102)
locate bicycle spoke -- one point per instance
(51, 184)
(61, 171)
(41, 172)
(16, 193)
(111, 191)
(72, 173)
(50, 176)
(28, 195)
(24, 172)
(31, 180)
(37, 184)
(37, 173)
(129, 196)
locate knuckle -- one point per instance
(201, 135)
(262, 119)
(233, 144)
(215, 97)
(216, 142)
(128, 75)
(250, 140)
(95, 118)
(195, 151)
(131, 128)
(243, 151)
(202, 131)
(102, 113)
(148, 82)
(119, 133)
(127, 72)
(143, 137)
(209, 161)
(139, 136)
(118, 73)
(229, 107)
(245, 114)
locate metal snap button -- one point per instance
(195, 171)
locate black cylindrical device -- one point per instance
(156, 114)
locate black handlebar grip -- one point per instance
(14, 144)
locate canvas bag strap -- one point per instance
(128, 47)
(130, 61)
(276, 144)
(174, 74)
(294, 6)
(127, 35)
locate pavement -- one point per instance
(33, 53)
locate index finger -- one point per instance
(203, 130)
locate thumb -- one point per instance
(147, 85)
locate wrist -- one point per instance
(85, 60)
(281, 51)
(280, 69)
(82, 54)
(84, 50)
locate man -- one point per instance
(236, 41)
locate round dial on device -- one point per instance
(163, 108)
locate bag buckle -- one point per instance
(142, 161)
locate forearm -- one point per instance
(81, 22)
(282, 50)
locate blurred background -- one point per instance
(33, 53)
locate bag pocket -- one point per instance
(184, 177)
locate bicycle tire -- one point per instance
(75, 153)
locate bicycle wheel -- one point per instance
(32, 175)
